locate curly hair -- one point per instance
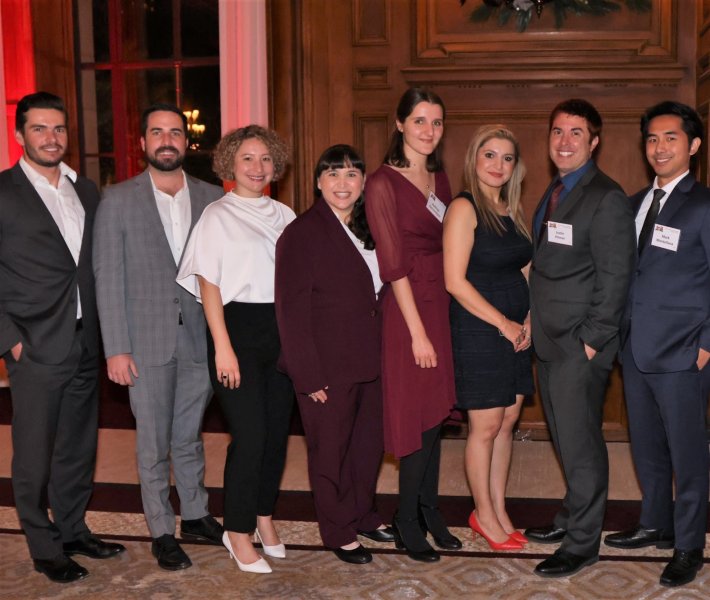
(226, 150)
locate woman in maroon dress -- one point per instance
(406, 199)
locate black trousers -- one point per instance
(258, 414)
(54, 433)
(572, 392)
(669, 441)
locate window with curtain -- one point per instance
(133, 53)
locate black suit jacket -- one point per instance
(578, 292)
(38, 276)
(669, 300)
(328, 315)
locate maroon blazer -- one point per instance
(329, 318)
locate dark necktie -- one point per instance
(552, 203)
(650, 219)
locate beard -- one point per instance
(33, 155)
(168, 163)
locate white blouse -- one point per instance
(233, 246)
(368, 256)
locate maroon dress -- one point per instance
(409, 242)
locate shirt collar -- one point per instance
(571, 179)
(157, 191)
(35, 176)
(670, 186)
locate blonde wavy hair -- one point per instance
(226, 150)
(511, 191)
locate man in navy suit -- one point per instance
(666, 346)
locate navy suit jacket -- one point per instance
(38, 275)
(328, 315)
(668, 312)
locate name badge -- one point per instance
(436, 207)
(559, 233)
(665, 237)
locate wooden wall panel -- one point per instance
(359, 56)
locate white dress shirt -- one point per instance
(646, 204)
(233, 246)
(64, 205)
(176, 216)
(368, 256)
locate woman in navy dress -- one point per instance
(487, 251)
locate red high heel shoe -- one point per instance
(509, 544)
(519, 537)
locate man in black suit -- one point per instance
(49, 339)
(666, 333)
(584, 255)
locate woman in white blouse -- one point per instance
(229, 265)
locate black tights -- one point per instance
(419, 476)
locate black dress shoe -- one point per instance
(206, 529)
(683, 567)
(408, 536)
(562, 564)
(546, 535)
(61, 569)
(638, 537)
(356, 556)
(93, 547)
(169, 554)
(431, 520)
(379, 535)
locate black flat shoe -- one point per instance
(638, 537)
(170, 555)
(683, 567)
(546, 535)
(379, 535)
(206, 529)
(93, 547)
(60, 569)
(563, 564)
(431, 520)
(409, 537)
(356, 556)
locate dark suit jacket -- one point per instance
(669, 300)
(578, 292)
(38, 276)
(328, 316)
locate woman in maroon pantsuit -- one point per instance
(406, 199)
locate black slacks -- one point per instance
(258, 415)
(572, 392)
(54, 434)
(668, 438)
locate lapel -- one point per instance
(38, 209)
(196, 202)
(85, 250)
(345, 247)
(574, 196)
(149, 211)
(540, 206)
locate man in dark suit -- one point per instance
(49, 339)
(666, 334)
(582, 263)
(154, 331)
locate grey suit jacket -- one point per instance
(140, 304)
(578, 292)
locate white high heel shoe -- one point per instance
(259, 566)
(276, 551)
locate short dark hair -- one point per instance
(342, 156)
(691, 122)
(578, 107)
(161, 106)
(38, 100)
(395, 153)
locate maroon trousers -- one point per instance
(344, 436)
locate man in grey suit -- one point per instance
(584, 240)
(154, 331)
(49, 339)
